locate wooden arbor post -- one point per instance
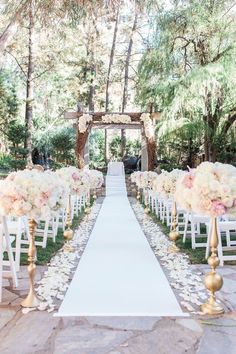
(80, 146)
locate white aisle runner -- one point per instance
(118, 274)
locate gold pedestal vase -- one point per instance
(88, 206)
(138, 195)
(31, 300)
(68, 233)
(146, 209)
(94, 195)
(213, 281)
(174, 234)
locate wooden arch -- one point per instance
(97, 122)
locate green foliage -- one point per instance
(115, 148)
(17, 134)
(97, 149)
(189, 74)
(62, 145)
(8, 100)
(132, 147)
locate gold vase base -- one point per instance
(68, 234)
(31, 300)
(68, 248)
(173, 249)
(87, 210)
(212, 308)
(146, 210)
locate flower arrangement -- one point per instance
(136, 178)
(116, 118)
(83, 122)
(95, 178)
(209, 189)
(144, 179)
(32, 193)
(76, 179)
(165, 184)
(148, 125)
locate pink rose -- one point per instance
(218, 208)
(188, 180)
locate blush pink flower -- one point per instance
(218, 208)
(188, 180)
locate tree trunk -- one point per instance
(29, 84)
(12, 27)
(126, 81)
(109, 76)
(111, 60)
(80, 146)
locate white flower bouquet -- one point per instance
(76, 179)
(95, 178)
(32, 193)
(165, 184)
(144, 179)
(209, 189)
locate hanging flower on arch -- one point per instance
(149, 126)
(84, 120)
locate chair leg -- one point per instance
(1, 262)
(18, 246)
(185, 228)
(10, 253)
(193, 240)
(45, 233)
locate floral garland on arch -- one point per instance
(116, 118)
(149, 127)
(84, 120)
(32, 193)
(76, 179)
(210, 189)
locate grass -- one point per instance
(44, 255)
(196, 256)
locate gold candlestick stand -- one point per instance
(138, 195)
(68, 233)
(213, 281)
(88, 206)
(31, 300)
(146, 209)
(174, 234)
(94, 195)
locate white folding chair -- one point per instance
(225, 229)
(196, 221)
(5, 246)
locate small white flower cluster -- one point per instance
(165, 183)
(95, 177)
(56, 279)
(32, 193)
(188, 284)
(144, 179)
(116, 118)
(83, 122)
(210, 189)
(77, 180)
(149, 126)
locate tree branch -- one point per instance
(16, 60)
(43, 72)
